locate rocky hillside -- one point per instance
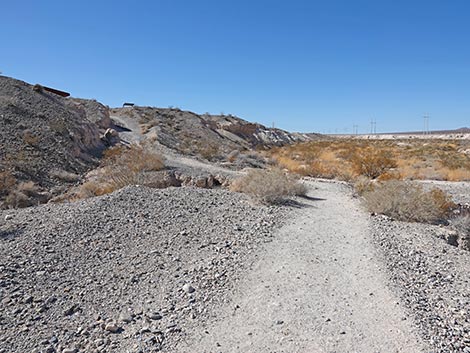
(46, 140)
(49, 142)
(210, 136)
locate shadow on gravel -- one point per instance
(10, 234)
(310, 198)
(298, 204)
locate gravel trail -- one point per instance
(318, 287)
(132, 134)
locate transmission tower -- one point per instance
(373, 126)
(355, 129)
(426, 125)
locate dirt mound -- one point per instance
(125, 271)
(45, 138)
(209, 136)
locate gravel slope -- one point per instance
(318, 287)
(127, 272)
(42, 132)
(433, 279)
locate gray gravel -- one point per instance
(459, 191)
(432, 278)
(317, 287)
(145, 270)
(127, 272)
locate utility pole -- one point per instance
(355, 129)
(426, 125)
(373, 126)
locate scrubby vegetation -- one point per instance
(408, 201)
(122, 166)
(372, 163)
(346, 159)
(268, 186)
(14, 194)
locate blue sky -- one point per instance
(305, 65)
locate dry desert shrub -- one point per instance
(16, 199)
(122, 166)
(362, 185)
(407, 201)
(268, 186)
(460, 174)
(136, 158)
(372, 162)
(377, 159)
(24, 194)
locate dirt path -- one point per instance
(318, 287)
(133, 134)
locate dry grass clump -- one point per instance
(407, 201)
(268, 186)
(18, 195)
(122, 166)
(21, 195)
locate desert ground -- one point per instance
(172, 259)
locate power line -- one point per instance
(373, 126)
(426, 125)
(355, 129)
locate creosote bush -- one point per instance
(372, 162)
(268, 186)
(407, 201)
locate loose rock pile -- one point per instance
(127, 272)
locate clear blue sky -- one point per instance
(306, 65)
